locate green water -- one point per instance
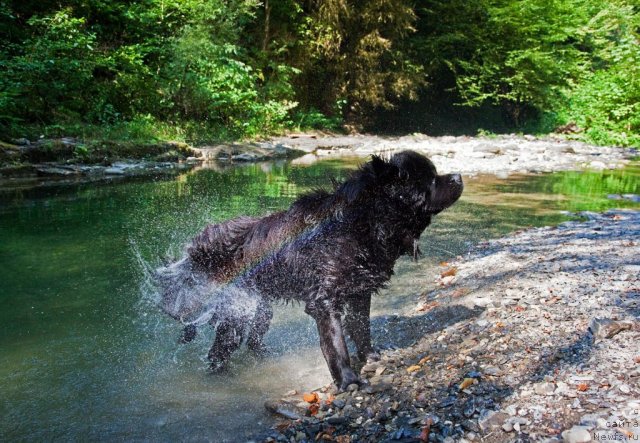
(86, 356)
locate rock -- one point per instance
(353, 387)
(336, 420)
(338, 403)
(284, 409)
(607, 328)
(21, 142)
(491, 420)
(507, 427)
(544, 388)
(577, 434)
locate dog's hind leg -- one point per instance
(358, 325)
(259, 327)
(227, 341)
(334, 347)
(188, 334)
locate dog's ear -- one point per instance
(383, 170)
(372, 174)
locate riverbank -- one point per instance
(501, 155)
(535, 336)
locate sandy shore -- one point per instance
(532, 337)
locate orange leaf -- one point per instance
(424, 433)
(313, 409)
(449, 272)
(310, 398)
(466, 383)
(423, 360)
(428, 306)
(582, 387)
(413, 368)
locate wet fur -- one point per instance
(330, 250)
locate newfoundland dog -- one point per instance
(329, 250)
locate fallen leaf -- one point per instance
(413, 368)
(423, 360)
(519, 308)
(466, 383)
(444, 263)
(428, 306)
(460, 292)
(499, 325)
(583, 387)
(311, 398)
(637, 359)
(314, 408)
(424, 433)
(449, 272)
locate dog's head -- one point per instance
(408, 177)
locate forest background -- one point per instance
(205, 70)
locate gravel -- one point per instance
(501, 155)
(559, 361)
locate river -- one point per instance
(85, 354)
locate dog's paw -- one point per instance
(188, 334)
(260, 351)
(351, 379)
(218, 367)
(372, 356)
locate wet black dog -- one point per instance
(330, 250)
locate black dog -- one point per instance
(331, 251)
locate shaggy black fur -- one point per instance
(331, 251)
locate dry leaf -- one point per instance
(424, 433)
(637, 359)
(449, 272)
(460, 292)
(427, 306)
(519, 308)
(310, 398)
(423, 360)
(583, 387)
(466, 383)
(413, 368)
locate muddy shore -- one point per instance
(531, 337)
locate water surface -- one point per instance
(85, 355)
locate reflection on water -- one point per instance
(85, 354)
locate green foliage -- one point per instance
(198, 70)
(51, 78)
(606, 103)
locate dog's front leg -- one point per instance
(359, 327)
(334, 348)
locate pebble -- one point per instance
(577, 434)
